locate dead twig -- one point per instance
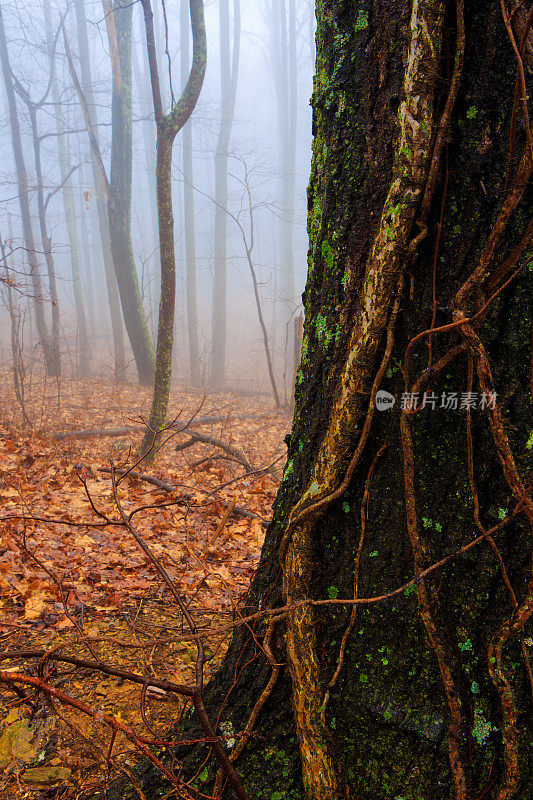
(221, 525)
(88, 433)
(233, 451)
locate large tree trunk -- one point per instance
(424, 694)
(100, 191)
(52, 364)
(229, 71)
(119, 24)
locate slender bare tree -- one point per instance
(168, 126)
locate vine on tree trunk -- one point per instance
(334, 467)
(382, 281)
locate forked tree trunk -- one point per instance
(416, 224)
(168, 126)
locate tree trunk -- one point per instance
(119, 24)
(91, 260)
(285, 73)
(188, 207)
(420, 226)
(100, 192)
(53, 366)
(46, 240)
(228, 90)
(142, 79)
(84, 357)
(168, 126)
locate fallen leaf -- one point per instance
(46, 775)
(36, 604)
(15, 742)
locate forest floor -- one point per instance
(74, 581)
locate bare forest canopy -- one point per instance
(240, 170)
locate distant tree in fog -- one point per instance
(118, 186)
(100, 191)
(50, 353)
(229, 71)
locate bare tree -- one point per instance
(16, 319)
(229, 70)
(100, 192)
(143, 94)
(119, 184)
(68, 203)
(51, 360)
(188, 210)
(168, 125)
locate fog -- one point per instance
(266, 161)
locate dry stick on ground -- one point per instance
(235, 452)
(87, 433)
(167, 487)
(99, 666)
(222, 523)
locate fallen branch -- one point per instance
(222, 523)
(170, 489)
(142, 680)
(234, 452)
(87, 433)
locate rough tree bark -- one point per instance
(168, 126)
(420, 227)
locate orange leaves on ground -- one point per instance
(102, 567)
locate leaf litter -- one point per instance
(84, 587)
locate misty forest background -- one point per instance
(260, 50)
